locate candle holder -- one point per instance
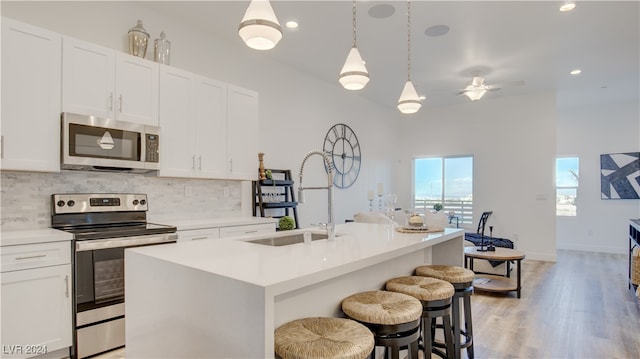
(490, 247)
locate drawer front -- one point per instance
(29, 256)
(247, 230)
(198, 234)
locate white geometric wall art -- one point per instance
(620, 176)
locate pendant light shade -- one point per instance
(260, 28)
(409, 101)
(354, 75)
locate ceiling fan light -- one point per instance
(477, 81)
(259, 28)
(474, 94)
(354, 74)
(409, 101)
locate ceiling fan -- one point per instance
(477, 88)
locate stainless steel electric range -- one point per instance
(103, 225)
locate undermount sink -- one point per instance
(289, 239)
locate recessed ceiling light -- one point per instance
(422, 97)
(568, 6)
(437, 30)
(291, 24)
(381, 11)
(576, 72)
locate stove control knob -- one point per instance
(60, 203)
(71, 203)
(143, 202)
(135, 202)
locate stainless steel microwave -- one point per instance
(99, 144)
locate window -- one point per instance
(447, 181)
(566, 186)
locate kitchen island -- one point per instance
(223, 298)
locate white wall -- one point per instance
(296, 110)
(587, 132)
(512, 140)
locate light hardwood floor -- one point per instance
(578, 307)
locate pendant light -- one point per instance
(409, 101)
(260, 28)
(354, 75)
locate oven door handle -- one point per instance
(122, 242)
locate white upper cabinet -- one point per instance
(137, 89)
(30, 98)
(242, 134)
(209, 129)
(193, 124)
(102, 82)
(177, 148)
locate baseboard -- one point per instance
(541, 257)
(592, 248)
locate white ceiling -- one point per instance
(506, 41)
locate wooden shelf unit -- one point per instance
(282, 187)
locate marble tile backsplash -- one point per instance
(26, 196)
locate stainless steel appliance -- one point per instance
(103, 225)
(100, 144)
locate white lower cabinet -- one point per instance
(36, 302)
(245, 230)
(198, 234)
(225, 231)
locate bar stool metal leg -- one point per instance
(468, 322)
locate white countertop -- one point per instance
(189, 224)
(12, 238)
(281, 269)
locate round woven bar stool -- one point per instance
(321, 337)
(394, 319)
(462, 280)
(435, 296)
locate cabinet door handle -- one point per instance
(200, 162)
(111, 102)
(231, 165)
(193, 162)
(31, 257)
(247, 232)
(120, 101)
(1, 146)
(66, 286)
(197, 238)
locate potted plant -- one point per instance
(437, 207)
(286, 223)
